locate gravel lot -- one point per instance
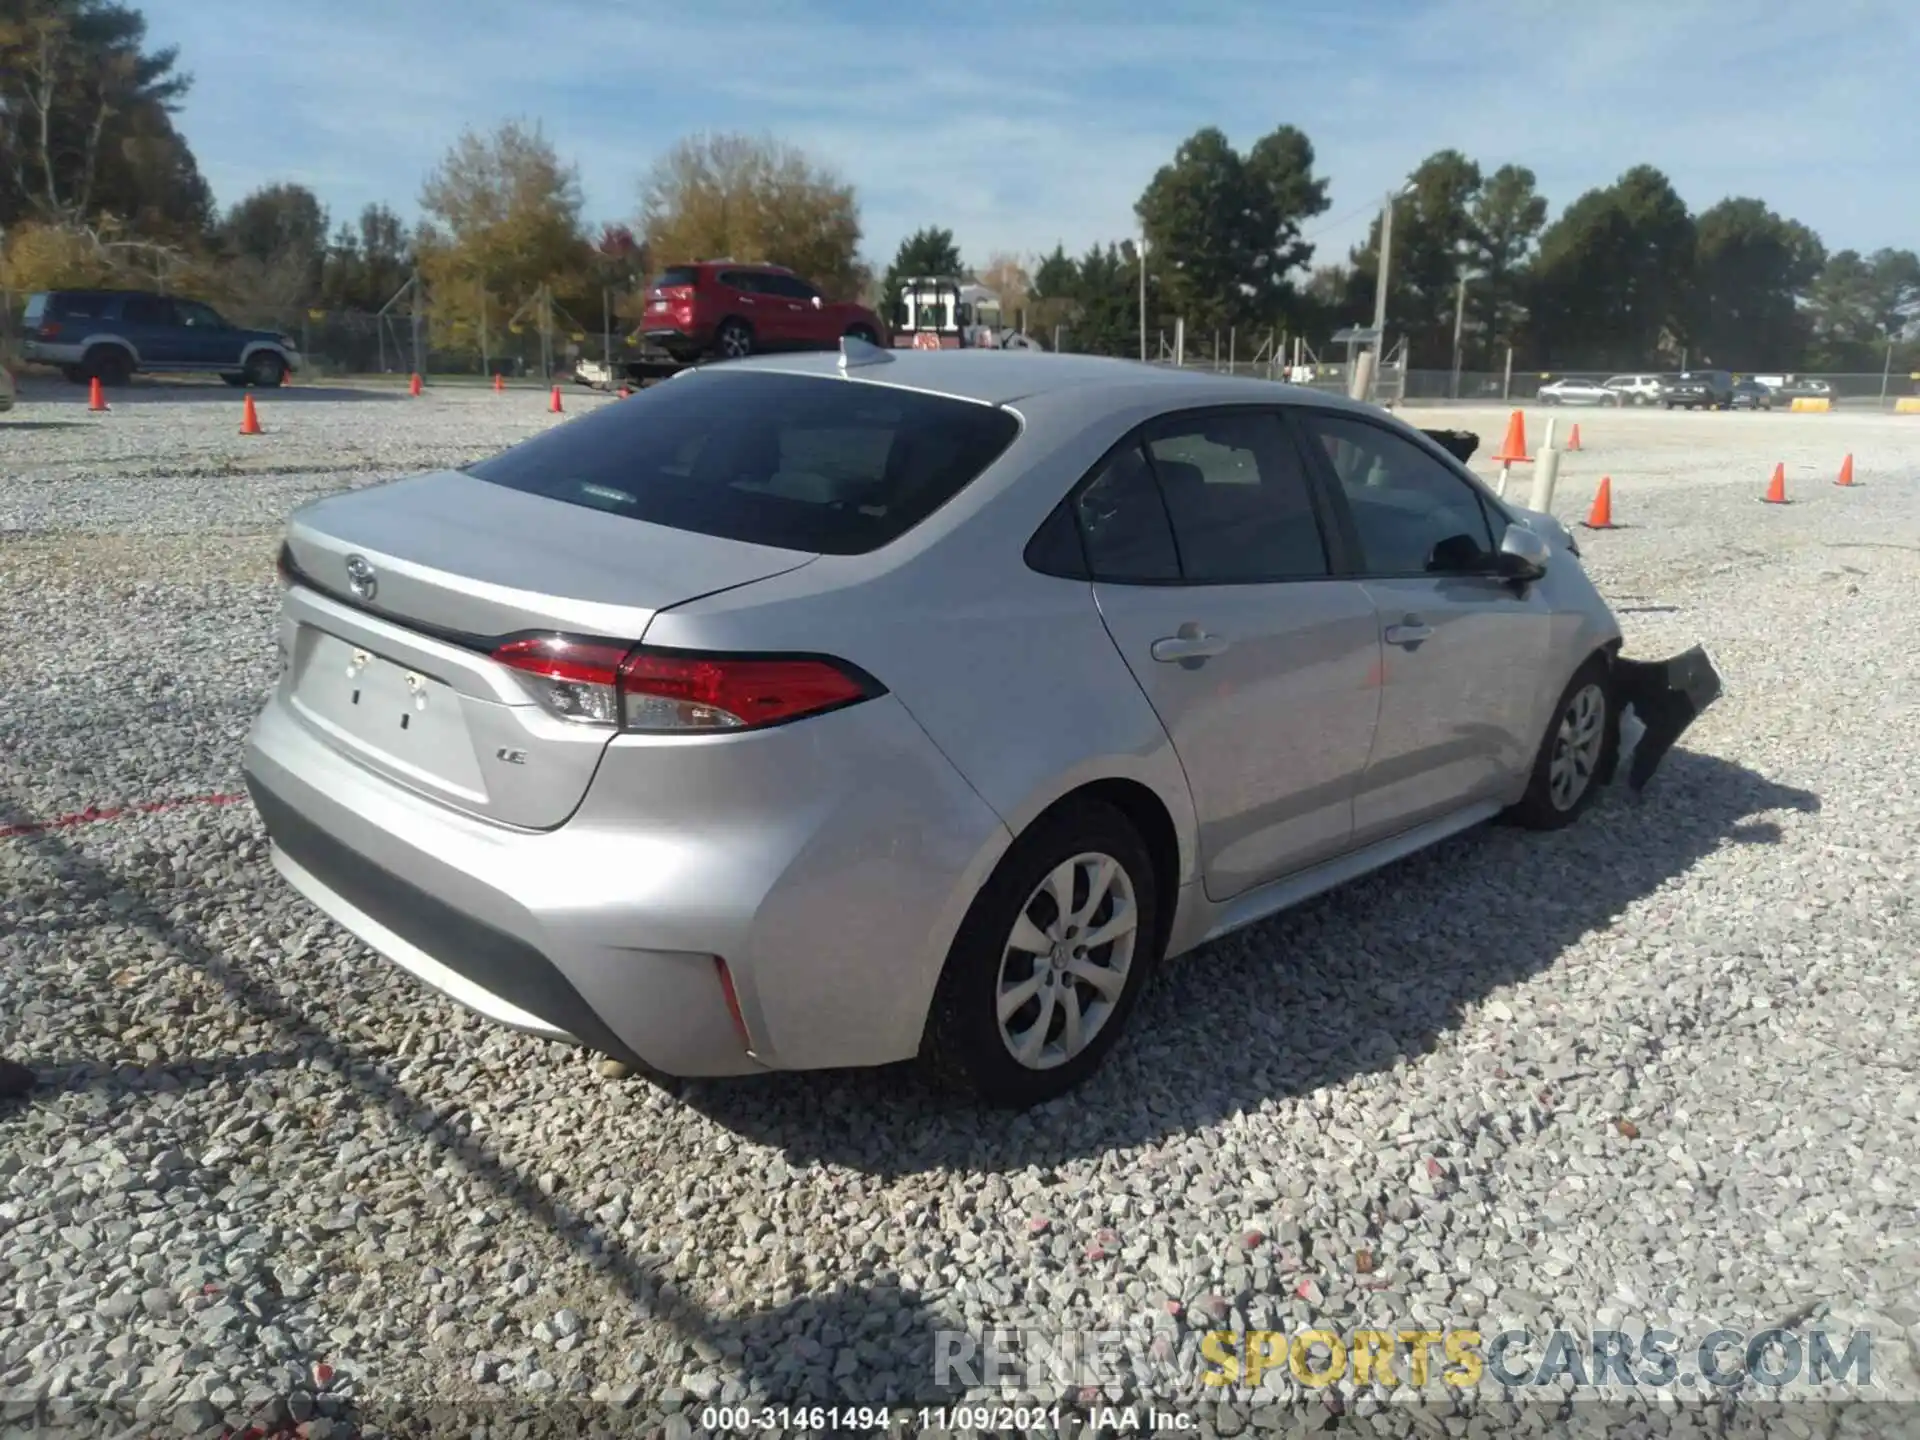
(1657, 1071)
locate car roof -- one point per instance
(1000, 377)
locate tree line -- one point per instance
(97, 185)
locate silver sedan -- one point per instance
(1579, 392)
(835, 710)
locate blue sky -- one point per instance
(1020, 125)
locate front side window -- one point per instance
(200, 317)
(1412, 515)
(801, 462)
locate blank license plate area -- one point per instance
(401, 715)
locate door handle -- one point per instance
(1410, 631)
(1192, 643)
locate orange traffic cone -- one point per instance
(1600, 517)
(1513, 449)
(1777, 487)
(286, 378)
(626, 391)
(249, 418)
(553, 406)
(96, 396)
(1846, 472)
(499, 383)
(1573, 440)
(413, 384)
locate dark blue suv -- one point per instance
(109, 334)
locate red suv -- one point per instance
(728, 310)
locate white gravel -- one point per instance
(1656, 1071)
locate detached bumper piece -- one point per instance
(1665, 696)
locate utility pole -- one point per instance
(1380, 289)
(1459, 315)
(1143, 296)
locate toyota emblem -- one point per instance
(360, 577)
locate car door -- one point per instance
(1462, 649)
(206, 340)
(765, 312)
(150, 324)
(1208, 549)
(807, 325)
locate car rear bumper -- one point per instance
(828, 863)
(46, 352)
(671, 336)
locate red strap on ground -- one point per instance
(95, 813)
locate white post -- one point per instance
(1547, 444)
(1546, 470)
(1179, 340)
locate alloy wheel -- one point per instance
(1576, 747)
(1065, 966)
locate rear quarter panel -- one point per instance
(1011, 673)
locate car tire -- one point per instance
(264, 370)
(109, 364)
(969, 1048)
(733, 340)
(1576, 753)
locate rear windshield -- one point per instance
(815, 463)
(36, 307)
(679, 275)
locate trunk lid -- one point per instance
(406, 587)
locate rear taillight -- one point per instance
(594, 682)
(576, 680)
(50, 330)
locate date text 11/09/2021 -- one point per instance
(945, 1419)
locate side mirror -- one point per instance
(816, 302)
(1523, 554)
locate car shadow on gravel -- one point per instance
(1354, 981)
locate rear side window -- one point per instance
(1124, 523)
(1239, 500)
(813, 463)
(36, 308)
(78, 305)
(678, 275)
(148, 310)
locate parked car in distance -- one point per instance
(1799, 387)
(681, 729)
(728, 311)
(1636, 389)
(1751, 395)
(1699, 390)
(110, 335)
(1578, 392)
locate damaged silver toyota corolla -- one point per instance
(826, 711)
